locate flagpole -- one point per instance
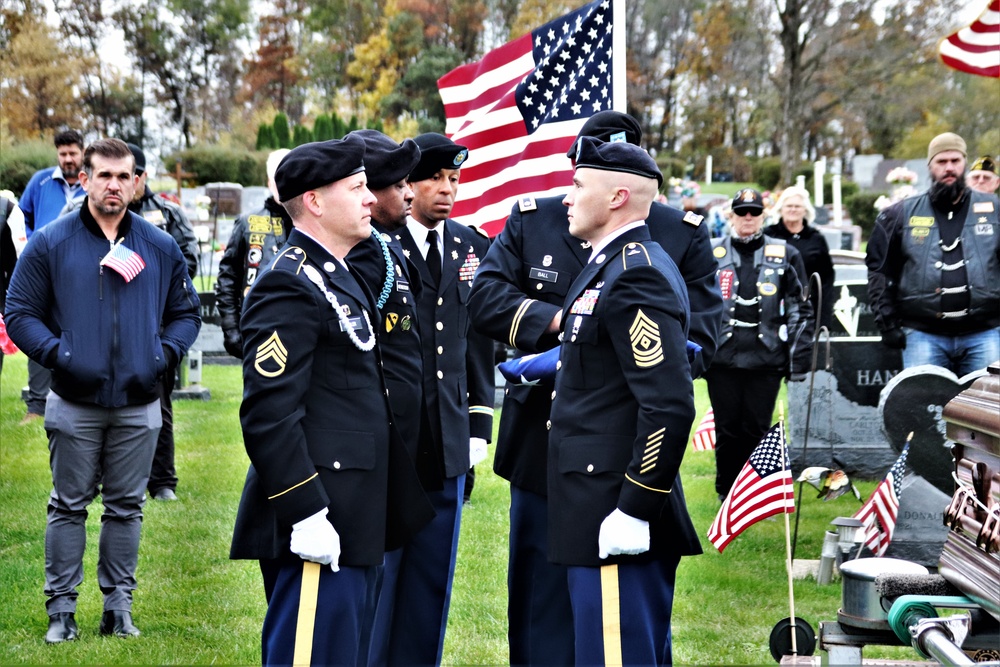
(788, 539)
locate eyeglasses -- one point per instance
(743, 212)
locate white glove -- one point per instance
(314, 538)
(477, 450)
(622, 534)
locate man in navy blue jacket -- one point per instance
(103, 299)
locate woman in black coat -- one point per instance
(795, 212)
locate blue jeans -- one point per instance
(959, 354)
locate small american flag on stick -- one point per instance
(762, 489)
(703, 439)
(879, 514)
(124, 261)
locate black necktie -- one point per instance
(434, 257)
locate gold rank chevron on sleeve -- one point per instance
(271, 357)
(647, 348)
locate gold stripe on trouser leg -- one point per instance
(307, 614)
(611, 616)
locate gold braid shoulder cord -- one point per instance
(317, 279)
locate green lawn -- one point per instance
(194, 606)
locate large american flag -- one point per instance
(520, 107)
(123, 260)
(762, 489)
(975, 48)
(879, 514)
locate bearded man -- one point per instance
(934, 269)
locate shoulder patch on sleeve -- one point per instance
(693, 218)
(634, 254)
(292, 257)
(526, 204)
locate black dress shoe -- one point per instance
(62, 628)
(118, 623)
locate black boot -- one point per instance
(118, 623)
(62, 628)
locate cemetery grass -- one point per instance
(195, 606)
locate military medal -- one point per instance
(586, 303)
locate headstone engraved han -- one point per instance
(852, 368)
(209, 339)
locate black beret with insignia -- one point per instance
(311, 166)
(611, 126)
(437, 152)
(595, 154)
(386, 162)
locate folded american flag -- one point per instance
(123, 260)
(532, 369)
(540, 369)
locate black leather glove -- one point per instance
(797, 377)
(233, 342)
(894, 338)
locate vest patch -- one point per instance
(774, 250)
(984, 230)
(726, 277)
(921, 221)
(259, 223)
(982, 207)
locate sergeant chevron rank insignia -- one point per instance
(271, 357)
(645, 336)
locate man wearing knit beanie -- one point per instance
(934, 269)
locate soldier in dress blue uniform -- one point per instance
(621, 414)
(457, 419)
(382, 264)
(517, 298)
(328, 472)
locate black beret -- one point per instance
(437, 152)
(311, 166)
(596, 154)
(140, 158)
(386, 162)
(748, 199)
(612, 126)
